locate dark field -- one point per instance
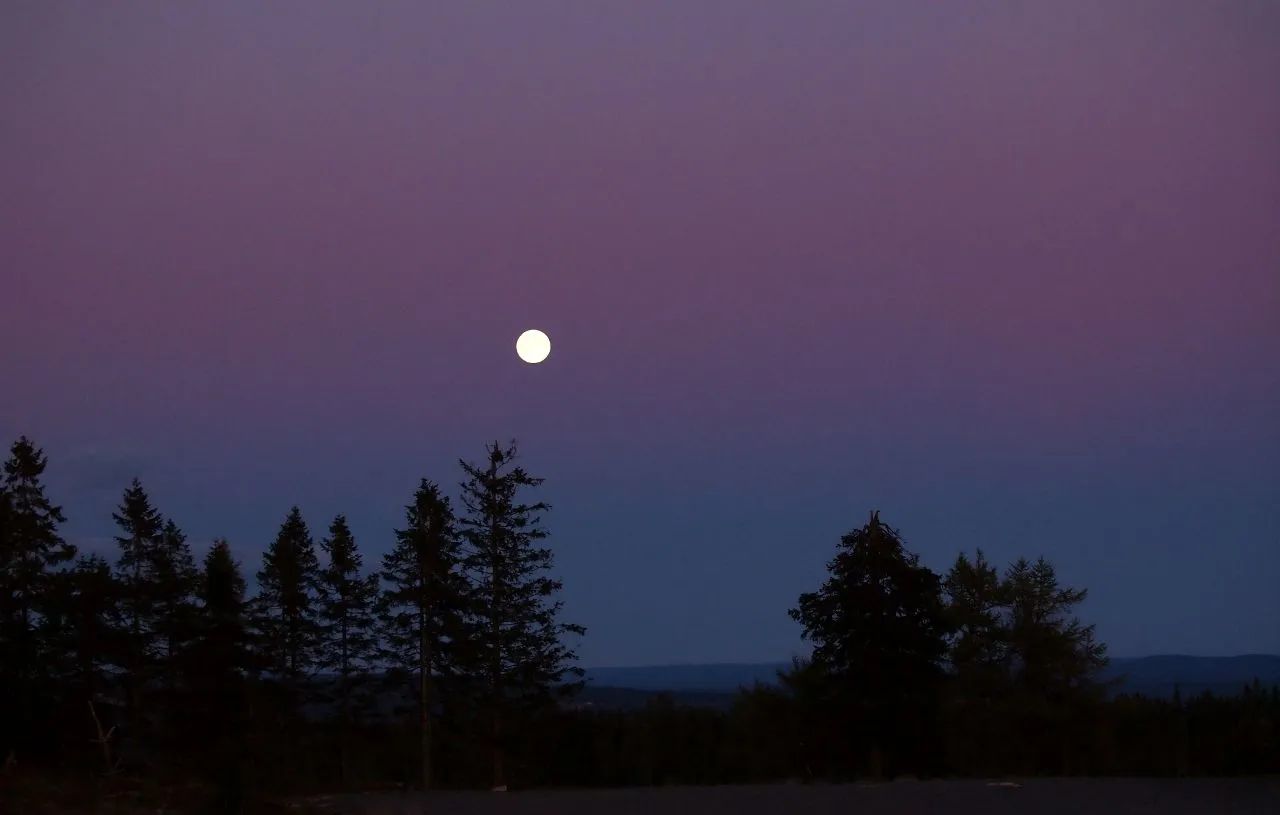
(1041, 797)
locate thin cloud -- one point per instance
(103, 466)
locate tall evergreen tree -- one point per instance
(1053, 652)
(31, 551)
(977, 603)
(140, 524)
(285, 607)
(287, 627)
(222, 642)
(12, 627)
(32, 547)
(423, 606)
(348, 641)
(174, 577)
(219, 658)
(878, 625)
(80, 624)
(1055, 663)
(1026, 669)
(524, 659)
(8, 562)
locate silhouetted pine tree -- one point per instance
(1055, 662)
(219, 658)
(423, 607)
(141, 525)
(83, 618)
(13, 662)
(347, 637)
(286, 616)
(977, 603)
(80, 627)
(222, 637)
(31, 550)
(174, 618)
(976, 599)
(523, 657)
(1053, 652)
(32, 546)
(878, 625)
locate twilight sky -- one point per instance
(1007, 271)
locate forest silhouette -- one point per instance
(447, 664)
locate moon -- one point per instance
(533, 346)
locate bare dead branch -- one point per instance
(104, 739)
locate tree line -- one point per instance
(447, 663)
(191, 673)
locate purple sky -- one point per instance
(1007, 271)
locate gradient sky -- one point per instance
(1007, 271)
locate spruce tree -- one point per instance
(878, 626)
(31, 548)
(1026, 669)
(1053, 652)
(1054, 661)
(976, 601)
(173, 579)
(423, 607)
(979, 659)
(8, 561)
(222, 638)
(12, 625)
(348, 641)
(173, 573)
(524, 660)
(141, 525)
(31, 553)
(285, 608)
(218, 660)
(80, 625)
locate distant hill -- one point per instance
(715, 685)
(1156, 676)
(714, 677)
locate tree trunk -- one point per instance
(344, 729)
(499, 778)
(424, 700)
(499, 691)
(136, 651)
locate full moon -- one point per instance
(533, 346)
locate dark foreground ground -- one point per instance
(1037, 796)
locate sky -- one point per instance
(1007, 272)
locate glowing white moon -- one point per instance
(533, 346)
